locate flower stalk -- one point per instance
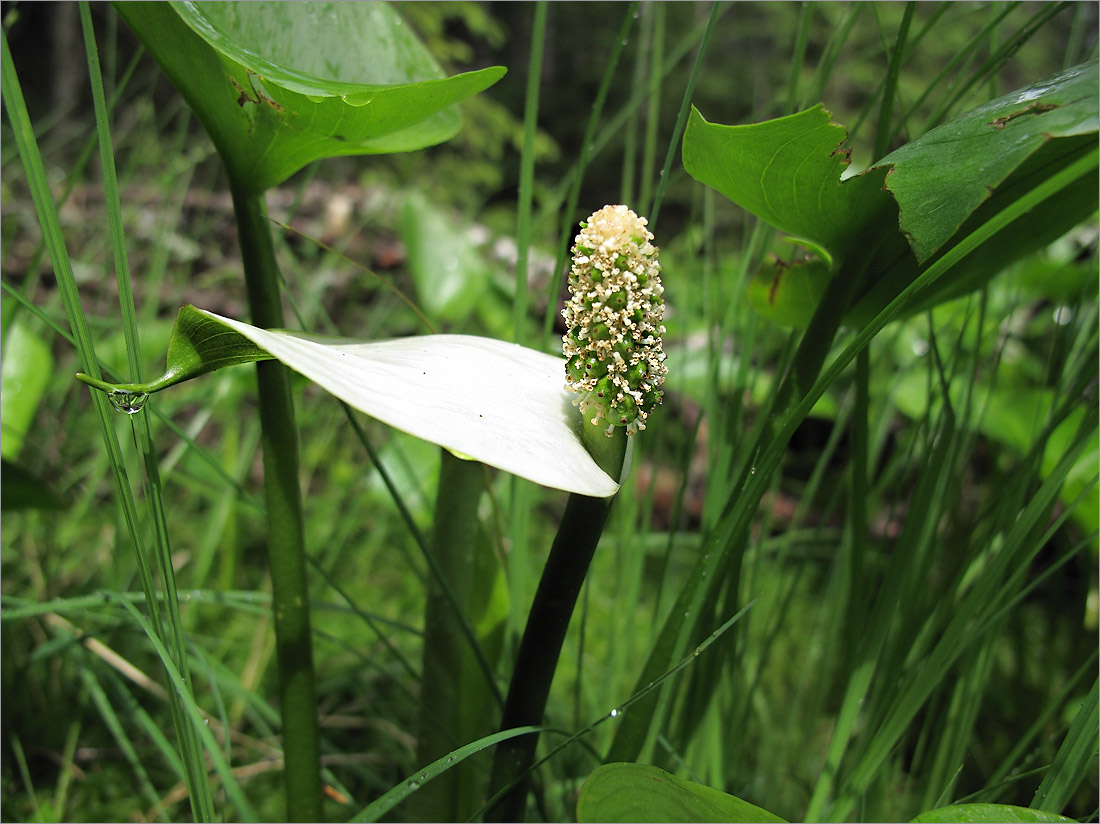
(615, 365)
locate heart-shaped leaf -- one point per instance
(640, 792)
(788, 172)
(486, 399)
(278, 85)
(982, 813)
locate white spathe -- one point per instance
(490, 400)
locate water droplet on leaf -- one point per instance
(129, 402)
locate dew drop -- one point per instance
(413, 784)
(614, 713)
(129, 402)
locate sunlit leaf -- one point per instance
(983, 813)
(639, 792)
(486, 399)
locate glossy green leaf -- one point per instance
(24, 375)
(279, 85)
(486, 399)
(948, 184)
(943, 176)
(788, 173)
(991, 813)
(639, 792)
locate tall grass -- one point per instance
(900, 592)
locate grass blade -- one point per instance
(1075, 759)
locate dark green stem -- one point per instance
(537, 658)
(547, 622)
(286, 539)
(456, 698)
(857, 506)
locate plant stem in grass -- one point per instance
(286, 539)
(547, 622)
(455, 697)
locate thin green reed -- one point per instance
(838, 38)
(521, 491)
(223, 474)
(588, 150)
(190, 744)
(623, 123)
(966, 52)
(527, 169)
(860, 421)
(27, 146)
(627, 182)
(653, 109)
(798, 56)
(681, 117)
(959, 89)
